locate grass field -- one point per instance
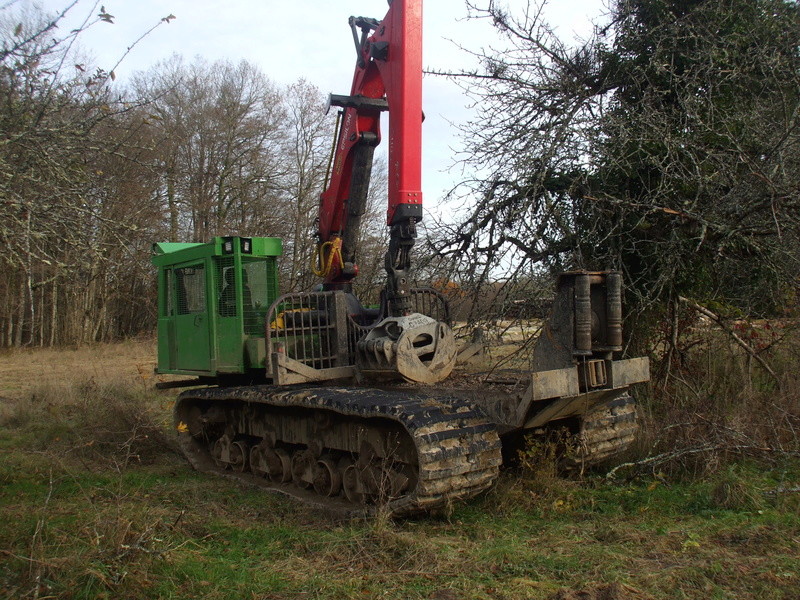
(95, 503)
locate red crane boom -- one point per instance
(388, 77)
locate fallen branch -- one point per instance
(664, 457)
(28, 559)
(736, 338)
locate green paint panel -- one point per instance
(213, 300)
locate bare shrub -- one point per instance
(713, 404)
(535, 480)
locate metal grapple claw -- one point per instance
(416, 347)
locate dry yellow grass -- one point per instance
(129, 362)
(132, 362)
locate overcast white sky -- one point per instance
(310, 39)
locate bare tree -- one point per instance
(306, 147)
(219, 127)
(665, 145)
(91, 175)
(53, 223)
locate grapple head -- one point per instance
(415, 347)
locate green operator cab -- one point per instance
(212, 302)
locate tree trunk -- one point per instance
(173, 207)
(20, 314)
(54, 313)
(29, 280)
(41, 311)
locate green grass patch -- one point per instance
(164, 531)
(95, 503)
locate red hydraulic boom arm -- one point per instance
(388, 76)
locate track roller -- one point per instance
(230, 454)
(303, 462)
(327, 477)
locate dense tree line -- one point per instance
(92, 173)
(665, 145)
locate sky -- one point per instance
(310, 39)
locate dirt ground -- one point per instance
(613, 591)
(129, 362)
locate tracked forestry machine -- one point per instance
(347, 407)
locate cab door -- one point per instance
(192, 323)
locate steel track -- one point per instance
(457, 448)
(608, 430)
